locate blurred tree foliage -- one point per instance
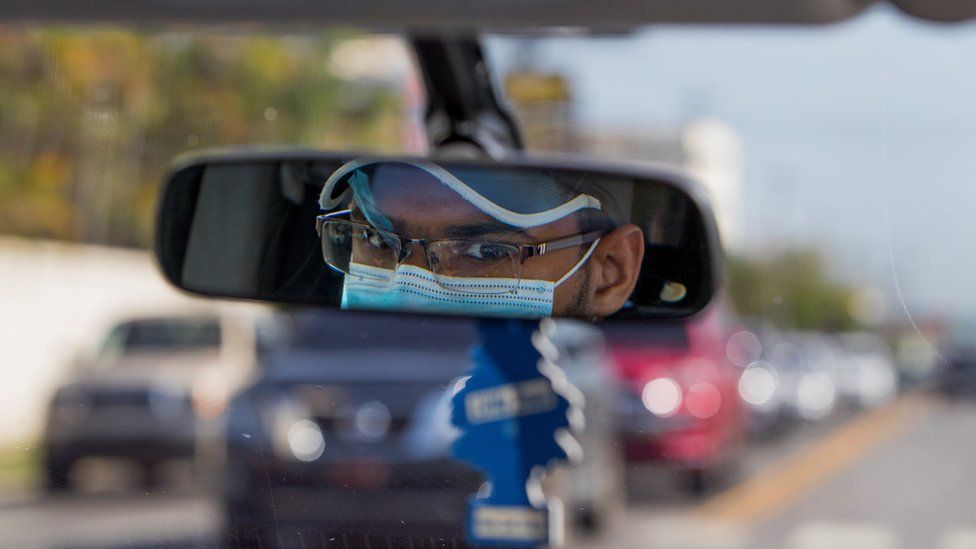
(90, 118)
(792, 288)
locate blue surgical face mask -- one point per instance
(415, 289)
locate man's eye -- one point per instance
(486, 252)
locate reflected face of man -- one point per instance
(417, 206)
(461, 238)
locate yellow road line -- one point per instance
(776, 488)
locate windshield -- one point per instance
(838, 161)
(162, 335)
(825, 398)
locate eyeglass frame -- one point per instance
(525, 250)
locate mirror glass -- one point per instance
(515, 239)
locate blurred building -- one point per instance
(713, 153)
(543, 103)
(386, 61)
(710, 149)
(59, 300)
(543, 106)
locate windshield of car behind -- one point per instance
(183, 334)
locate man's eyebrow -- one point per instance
(400, 227)
(357, 215)
(475, 230)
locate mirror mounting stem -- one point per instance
(464, 116)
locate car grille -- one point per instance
(120, 399)
(310, 538)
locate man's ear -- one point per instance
(615, 266)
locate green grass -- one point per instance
(19, 467)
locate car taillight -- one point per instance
(703, 400)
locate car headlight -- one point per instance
(757, 385)
(662, 396)
(294, 434)
(305, 440)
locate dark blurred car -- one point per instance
(768, 403)
(796, 379)
(150, 392)
(681, 406)
(956, 376)
(347, 434)
(794, 382)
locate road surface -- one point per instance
(902, 476)
(899, 477)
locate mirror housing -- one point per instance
(241, 224)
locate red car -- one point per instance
(681, 404)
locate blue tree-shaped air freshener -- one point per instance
(515, 412)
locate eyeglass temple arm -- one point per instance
(562, 243)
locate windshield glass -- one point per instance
(837, 159)
(826, 397)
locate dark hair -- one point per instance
(594, 220)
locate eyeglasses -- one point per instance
(453, 261)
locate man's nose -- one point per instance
(413, 254)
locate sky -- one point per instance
(858, 137)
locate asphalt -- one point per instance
(898, 477)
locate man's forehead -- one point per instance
(462, 222)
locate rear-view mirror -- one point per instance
(516, 239)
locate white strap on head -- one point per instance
(579, 263)
(515, 219)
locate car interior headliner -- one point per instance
(467, 15)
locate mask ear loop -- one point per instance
(579, 263)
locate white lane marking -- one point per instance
(669, 530)
(838, 535)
